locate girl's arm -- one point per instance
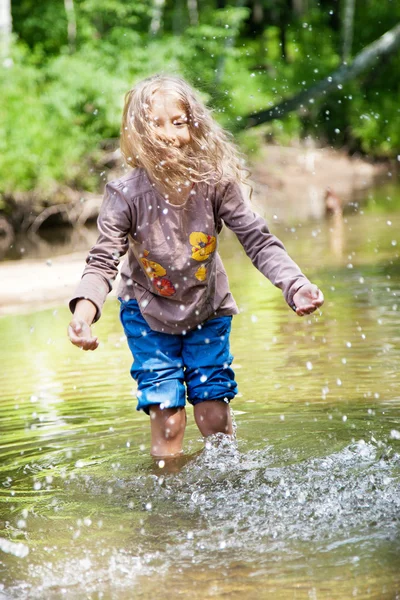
(266, 251)
(115, 222)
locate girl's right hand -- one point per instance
(80, 334)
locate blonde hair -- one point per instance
(210, 157)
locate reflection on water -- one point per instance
(305, 505)
(48, 242)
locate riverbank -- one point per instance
(290, 183)
(28, 285)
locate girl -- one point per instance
(176, 307)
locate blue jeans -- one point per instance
(165, 366)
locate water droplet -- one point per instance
(16, 549)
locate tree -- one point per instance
(5, 28)
(348, 27)
(156, 19)
(383, 46)
(71, 20)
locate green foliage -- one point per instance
(40, 25)
(52, 119)
(59, 103)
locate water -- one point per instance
(305, 505)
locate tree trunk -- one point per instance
(348, 27)
(386, 44)
(5, 28)
(193, 12)
(228, 44)
(156, 19)
(282, 38)
(178, 17)
(71, 24)
(299, 7)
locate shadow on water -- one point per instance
(304, 505)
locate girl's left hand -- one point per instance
(307, 299)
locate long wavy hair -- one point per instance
(210, 157)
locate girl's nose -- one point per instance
(168, 134)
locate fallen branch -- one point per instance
(49, 212)
(386, 44)
(75, 213)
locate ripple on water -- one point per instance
(225, 503)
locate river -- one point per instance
(306, 503)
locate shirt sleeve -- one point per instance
(266, 251)
(115, 222)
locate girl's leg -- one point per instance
(213, 416)
(158, 370)
(167, 430)
(209, 377)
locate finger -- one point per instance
(90, 344)
(316, 298)
(305, 310)
(93, 344)
(320, 299)
(315, 291)
(77, 342)
(84, 343)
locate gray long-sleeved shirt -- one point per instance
(173, 268)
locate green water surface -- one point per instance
(306, 505)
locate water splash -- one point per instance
(224, 503)
(17, 549)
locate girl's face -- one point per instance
(169, 119)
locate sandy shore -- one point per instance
(289, 182)
(28, 285)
